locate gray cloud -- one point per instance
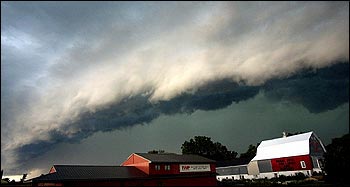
(68, 67)
(317, 90)
(168, 132)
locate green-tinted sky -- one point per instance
(236, 126)
(78, 78)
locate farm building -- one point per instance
(281, 156)
(234, 169)
(140, 169)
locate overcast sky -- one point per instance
(93, 82)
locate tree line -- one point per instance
(204, 146)
(336, 158)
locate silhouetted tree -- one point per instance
(204, 146)
(337, 160)
(156, 151)
(7, 180)
(24, 177)
(250, 153)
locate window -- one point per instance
(167, 167)
(157, 167)
(302, 163)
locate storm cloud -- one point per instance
(69, 70)
(317, 90)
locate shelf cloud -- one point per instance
(71, 69)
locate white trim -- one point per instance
(302, 164)
(324, 149)
(318, 163)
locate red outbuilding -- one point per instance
(140, 169)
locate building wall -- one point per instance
(265, 166)
(175, 169)
(234, 177)
(316, 146)
(139, 162)
(270, 175)
(267, 175)
(47, 184)
(232, 170)
(253, 168)
(52, 170)
(185, 181)
(275, 167)
(291, 163)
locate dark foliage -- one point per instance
(250, 153)
(337, 160)
(204, 146)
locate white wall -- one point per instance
(234, 177)
(268, 175)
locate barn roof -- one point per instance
(284, 147)
(85, 172)
(174, 158)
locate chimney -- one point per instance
(284, 134)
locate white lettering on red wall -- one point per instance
(194, 167)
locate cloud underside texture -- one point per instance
(318, 91)
(69, 70)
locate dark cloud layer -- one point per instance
(71, 69)
(318, 90)
(212, 96)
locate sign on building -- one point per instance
(194, 167)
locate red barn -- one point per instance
(140, 169)
(302, 153)
(287, 156)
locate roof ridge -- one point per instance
(288, 137)
(174, 158)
